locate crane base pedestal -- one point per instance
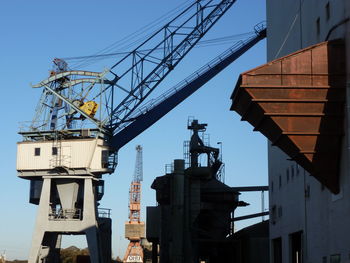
(51, 224)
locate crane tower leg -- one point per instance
(39, 232)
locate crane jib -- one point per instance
(152, 115)
(148, 70)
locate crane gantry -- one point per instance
(83, 118)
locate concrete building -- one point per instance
(310, 186)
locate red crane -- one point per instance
(134, 228)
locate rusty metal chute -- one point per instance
(297, 102)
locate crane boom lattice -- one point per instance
(138, 174)
(135, 188)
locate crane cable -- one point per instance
(125, 42)
(91, 59)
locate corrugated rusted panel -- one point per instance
(297, 102)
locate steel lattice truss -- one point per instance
(135, 188)
(75, 99)
(149, 68)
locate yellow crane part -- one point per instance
(89, 107)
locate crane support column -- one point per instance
(51, 223)
(65, 180)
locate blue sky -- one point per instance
(34, 32)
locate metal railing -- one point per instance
(104, 213)
(169, 168)
(76, 214)
(65, 214)
(220, 175)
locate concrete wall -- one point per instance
(299, 202)
(292, 24)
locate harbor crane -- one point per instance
(134, 228)
(83, 118)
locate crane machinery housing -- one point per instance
(135, 228)
(83, 118)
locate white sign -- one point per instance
(133, 259)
